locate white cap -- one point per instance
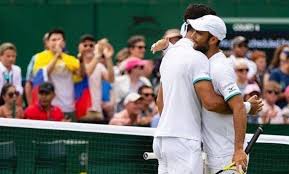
(132, 97)
(211, 23)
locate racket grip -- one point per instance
(253, 140)
(149, 155)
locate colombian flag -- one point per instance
(39, 78)
(82, 97)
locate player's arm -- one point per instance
(209, 98)
(240, 124)
(159, 101)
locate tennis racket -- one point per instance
(231, 169)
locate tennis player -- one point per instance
(184, 77)
(223, 134)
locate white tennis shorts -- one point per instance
(214, 164)
(178, 155)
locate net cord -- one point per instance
(111, 129)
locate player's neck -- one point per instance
(212, 51)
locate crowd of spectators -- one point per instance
(89, 87)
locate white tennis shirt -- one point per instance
(218, 129)
(181, 67)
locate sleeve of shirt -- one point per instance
(17, 80)
(29, 72)
(226, 82)
(200, 68)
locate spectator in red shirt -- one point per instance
(44, 110)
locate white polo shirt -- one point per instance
(218, 129)
(13, 77)
(181, 67)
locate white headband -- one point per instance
(184, 29)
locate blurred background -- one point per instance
(24, 22)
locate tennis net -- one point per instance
(44, 147)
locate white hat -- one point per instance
(132, 97)
(211, 23)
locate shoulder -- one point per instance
(145, 81)
(31, 108)
(31, 111)
(57, 109)
(276, 71)
(1, 110)
(70, 57)
(16, 68)
(121, 79)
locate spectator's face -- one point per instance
(8, 58)
(242, 73)
(137, 70)
(240, 50)
(45, 98)
(54, 40)
(138, 50)
(271, 95)
(86, 46)
(11, 95)
(134, 108)
(148, 95)
(261, 63)
(148, 68)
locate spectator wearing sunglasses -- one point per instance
(148, 109)
(271, 113)
(241, 70)
(44, 110)
(136, 46)
(130, 82)
(281, 75)
(9, 72)
(239, 50)
(8, 108)
(91, 54)
(129, 115)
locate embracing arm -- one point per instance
(209, 98)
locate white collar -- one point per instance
(185, 41)
(3, 68)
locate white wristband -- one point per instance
(247, 106)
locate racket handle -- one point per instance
(149, 155)
(253, 140)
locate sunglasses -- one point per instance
(148, 94)
(12, 94)
(140, 47)
(88, 45)
(243, 45)
(273, 92)
(242, 70)
(44, 92)
(139, 67)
